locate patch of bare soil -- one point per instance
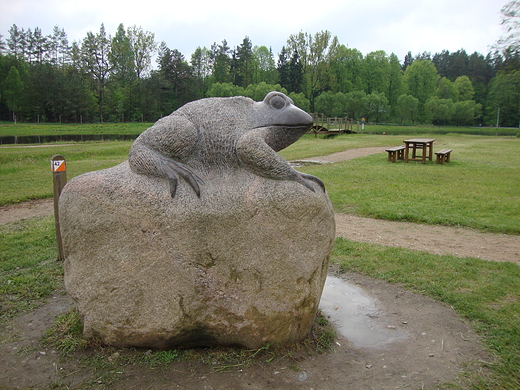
(349, 154)
(440, 240)
(436, 348)
(24, 210)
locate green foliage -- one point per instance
(376, 107)
(224, 90)
(104, 77)
(244, 64)
(376, 72)
(257, 92)
(175, 79)
(13, 89)
(438, 111)
(407, 108)
(504, 99)
(331, 104)
(421, 79)
(347, 69)
(355, 104)
(465, 90)
(446, 89)
(465, 112)
(265, 66)
(396, 83)
(485, 292)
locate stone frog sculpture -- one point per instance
(209, 136)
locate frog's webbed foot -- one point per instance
(304, 178)
(172, 169)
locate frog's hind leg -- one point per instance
(145, 161)
(173, 168)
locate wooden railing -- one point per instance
(324, 125)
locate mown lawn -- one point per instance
(480, 188)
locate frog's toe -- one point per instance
(174, 168)
(305, 178)
(173, 185)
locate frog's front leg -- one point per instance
(253, 151)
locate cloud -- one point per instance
(398, 26)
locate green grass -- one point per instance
(310, 146)
(29, 271)
(26, 171)
(479, 188)
(486, 293)
(135, 128)
(29, 129)
(427, 129)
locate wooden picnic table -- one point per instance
(416, 144)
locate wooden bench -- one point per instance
(443, 156)
(396, 153)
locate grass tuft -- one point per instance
(66, 334)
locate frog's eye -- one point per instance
(277, 101)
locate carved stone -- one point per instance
(242, 261)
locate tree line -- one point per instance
(102, 78)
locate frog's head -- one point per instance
(277, 109)
(279, 120)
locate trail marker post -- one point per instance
(59, 175)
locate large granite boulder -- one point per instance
(241, 262)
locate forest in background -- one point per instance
(110, 78)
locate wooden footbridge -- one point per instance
(333, 126)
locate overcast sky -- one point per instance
(393, 26)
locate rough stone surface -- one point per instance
(244, 266)
(242, 262)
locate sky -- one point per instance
(396, 26)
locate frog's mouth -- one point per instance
(279, 137)
(302, 126)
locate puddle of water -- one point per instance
(355, 314)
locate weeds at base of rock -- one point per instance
(66, 336)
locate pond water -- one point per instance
(356, 315)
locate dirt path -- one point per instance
(433, 348)
(440, 240)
